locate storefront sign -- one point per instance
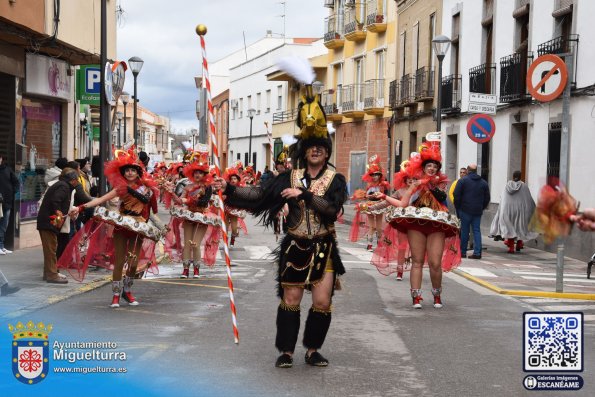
(88, 84)
(47, 77)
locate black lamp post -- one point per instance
(136, 64)
(441, 44)
(251, 113)
(125, 98)
(119, 116)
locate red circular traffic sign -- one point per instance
(547, 77)
(481, 128)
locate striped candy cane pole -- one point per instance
(266, 124)
(201, 30)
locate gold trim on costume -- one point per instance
(323, 311)
(291, 308)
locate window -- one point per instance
(402, 42)
(239, 156)
(338, 75)
(380, 59)
(432, 34)
(415, 52)
(268, 99)
(258, 103)
(553, 149)
(249, 100)
(279, 97)
(454, 52)
(254, 161)
(359, 81)
(246, 159)
(241, 108)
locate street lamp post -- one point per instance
(136, 64)
(251, 113)
(119, 116)
(125, 98)
(441, 44)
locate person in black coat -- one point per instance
(53, 212)
(471, 197)
(9, 186)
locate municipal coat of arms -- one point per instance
(30, 351)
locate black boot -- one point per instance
(288, 327)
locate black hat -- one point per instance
(82, 162)
(144, 158)
(61, 162)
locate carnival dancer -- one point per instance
(234, 216)
(138, 197)
(249, 176)
(375, 183)
(432, 233)
(308, 256)
(196, 216)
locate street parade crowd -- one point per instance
(301, 200)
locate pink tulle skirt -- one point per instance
(93, 245)
(174, 241)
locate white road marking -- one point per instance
(553, 279)
(477, 272)
(548, 274)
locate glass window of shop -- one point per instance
(40, 142)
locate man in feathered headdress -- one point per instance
(308, 257)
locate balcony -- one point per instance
(285, 116)
(393, 88)
(482, 78)
(450, 101)
(374, 97)
(283, 122)
(329, 104)
(354, 26)
(333, 32)
(353, 101)
(406, 94)
(375, 18)
(424, 84)
(513, 77)
(562, 46)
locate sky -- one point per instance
(162, 33)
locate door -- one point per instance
(357, 168)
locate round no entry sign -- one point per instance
(481, 128)
(547, 77)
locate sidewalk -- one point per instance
(24, 268)
(531, 272)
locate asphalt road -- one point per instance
(180, 336)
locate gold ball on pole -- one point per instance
(201, 29)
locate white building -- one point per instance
(250, 89)
(494, 42)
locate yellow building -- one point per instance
(361, 39)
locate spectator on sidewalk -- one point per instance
(52, 174)
(5, 287)
(57, 198)
(9, 186)
(462, 174)
(514, 214)
(471, 198)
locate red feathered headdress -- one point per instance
(373, 168)
(231, 172)
(200, 163)
(430, 152)
(114, 171)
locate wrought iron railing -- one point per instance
(353, 97)
(374, 12)
(406, 89)
(450, 99)
(561, 46)
(424, 83)
(482, 78)
(393, 88)
(513, 76)
(333, 27)
(353, 21)
(374, 94)
(282, 117)
(329, 101)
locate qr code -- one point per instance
(553, 341)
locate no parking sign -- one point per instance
(481, 128)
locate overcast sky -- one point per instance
(162, 33)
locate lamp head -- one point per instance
(441, 45)
(136, 64)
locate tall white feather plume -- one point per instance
(298, 68)
(288, 140)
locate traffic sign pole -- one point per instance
(564, 154)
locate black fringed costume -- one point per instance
(309, 247)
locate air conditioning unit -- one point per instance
(234, 103)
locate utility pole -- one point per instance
(104, 120)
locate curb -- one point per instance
(100, 282)
(538, 294)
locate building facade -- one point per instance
(40, 46)
(360, 38)
(494, 43)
